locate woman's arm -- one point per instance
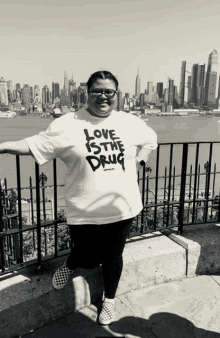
(15, 148)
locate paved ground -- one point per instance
(182, 309)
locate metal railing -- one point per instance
(168, 210)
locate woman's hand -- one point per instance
(138, 166)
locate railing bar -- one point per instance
(183, 182)
(156, 185)
(213, 188)
(19, 208)
(208, 181)
(38, 216)
(1, 229)
(219, 205)
(27, 188)
(195, 180)
(30, 227)
(55, 204)
(143, 187)
(164, 197)
(140, 179)
(202, 174)
(170, 172)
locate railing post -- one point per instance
(20, 260)
(156, 186)
(207, 184)
(170, 173)
(55, 204)
(32, 210)
(39, 267)
(183, 186)
(2, 254)
(195, 183)
(143, 202)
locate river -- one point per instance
(168, 129)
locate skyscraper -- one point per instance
(171, 92)
(66, 84)
(55, 91)
(150, 91)
(160, 89)
(138, 85)
(198, 80)
(31, 94)
(45, 95)
(189, 87)
(175, 97)
(3, 91)
(82, 93)
(72, 90)
(166, 95)
(17, 86)
(183, 90)
(26, 95)
(72, 85)
(10, 91)
(211, 79)
(36, 93)
(119, 100)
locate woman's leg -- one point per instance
(85, 247)
(114, 240)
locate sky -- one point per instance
(39, 40)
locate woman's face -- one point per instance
(102, 106)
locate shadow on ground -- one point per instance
(84, 323)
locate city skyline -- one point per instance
(138, 88)
(39, 41)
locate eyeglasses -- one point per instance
(109, 93)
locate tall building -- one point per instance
(175, 97)
(26, 95)
(72, 85)
(119, 100)
(142, 99)
(160, 89)
(166, 96)
(150, 91)
(82, 93)
(211, 79)
(17, 86)
(55, 91)
(218, 87)
(3, 91)
(184, 74)
(189, 87)
(36, 93)
(31, 94)
(198, 80)
(72, 90)
(10, 91)
(66, 83)
(45, 95)
(138, 85)
(171, 92)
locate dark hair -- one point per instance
(102, 74)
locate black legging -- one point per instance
(95, 244)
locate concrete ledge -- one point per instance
(28, 300)
(202, 245)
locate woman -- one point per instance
(99, 146)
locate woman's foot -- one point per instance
(108, 312)
(61, 276)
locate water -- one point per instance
(168, 129)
